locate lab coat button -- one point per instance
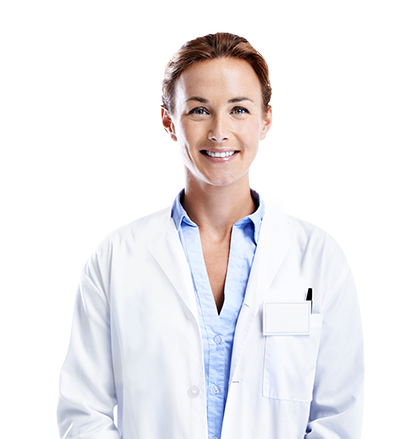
(193, 392)
(218, 339)
(189, 315)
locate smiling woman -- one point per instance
(226, 126)
(220, 317)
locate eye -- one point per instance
(240, 110)
(199, 111)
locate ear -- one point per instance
(266, 122)
(167, 123)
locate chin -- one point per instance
(224, 181)
(215, 179)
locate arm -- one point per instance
(336, 408)
(87, 393)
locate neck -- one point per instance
(217, 208)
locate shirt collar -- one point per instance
(179, 215)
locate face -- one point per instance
(218, 120)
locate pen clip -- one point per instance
(309, 296)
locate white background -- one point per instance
(83, 152)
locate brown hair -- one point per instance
(213, 46)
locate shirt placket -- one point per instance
(218, 330)
(213, 341)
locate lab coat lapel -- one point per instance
(273, 244)
(168, 252)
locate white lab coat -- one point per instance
(136, 341)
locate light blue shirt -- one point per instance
(218, 330)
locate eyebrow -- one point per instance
(240, 99)
(230, 101)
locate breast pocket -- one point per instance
(290, 360)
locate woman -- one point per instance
(221, 317)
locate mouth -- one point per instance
(219, 154)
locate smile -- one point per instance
(219, 154)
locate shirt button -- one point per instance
(215, 389)
(218, 339)
(193, 392)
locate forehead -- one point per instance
(217, 78)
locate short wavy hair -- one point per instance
(213, 46)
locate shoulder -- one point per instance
(314, 241)
(140, 230)
(130, 237)
(321, 257)
(307, 245)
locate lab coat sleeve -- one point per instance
(336, 408)
(87, 392)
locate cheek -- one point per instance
(188, 139)
(252, 133)
(189, 133)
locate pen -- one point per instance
(309, 296)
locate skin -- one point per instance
(218, 108)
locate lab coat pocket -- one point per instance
(290, 362)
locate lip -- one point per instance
(219, 159)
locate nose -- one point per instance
(219, 130)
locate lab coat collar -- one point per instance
(167, 249)
(274, 243)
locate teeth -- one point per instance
(220, 154)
